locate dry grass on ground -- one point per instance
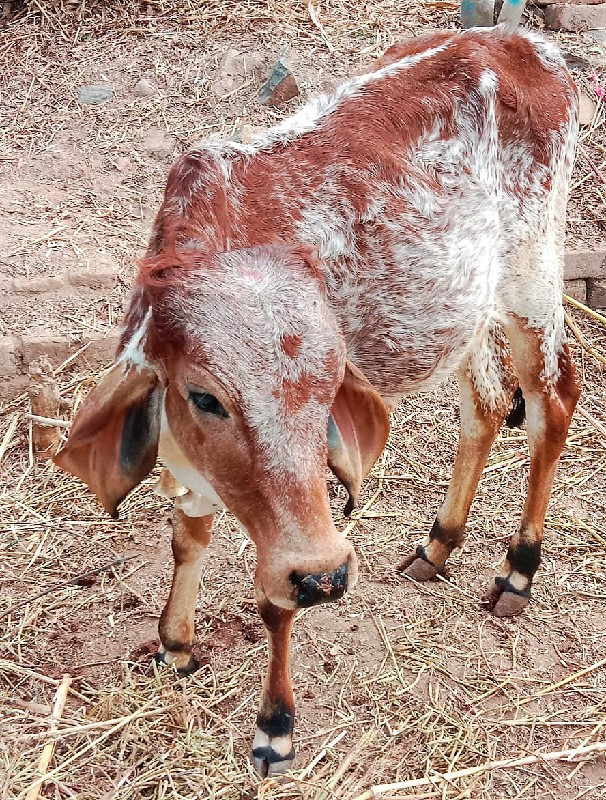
(399, 681)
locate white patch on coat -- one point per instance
(134, 353)
(282, 745)
(518, 581)
(464, 230)
(261, 739)
(488, 82)
(259, 301)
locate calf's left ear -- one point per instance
(113, 442)
(358, 428)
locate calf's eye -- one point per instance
(208, 403)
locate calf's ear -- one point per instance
(113, 442)
(358, 428)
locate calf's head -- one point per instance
(234, 367)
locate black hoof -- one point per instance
(418, 567)
(191, 666)
(269, 763)
(504, 600)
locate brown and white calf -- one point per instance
(408, 226)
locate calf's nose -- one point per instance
(322, 587)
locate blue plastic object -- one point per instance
(477, 13)
(480, 13)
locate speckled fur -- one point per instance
(412, 223)
(425, 248)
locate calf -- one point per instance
(408, 226)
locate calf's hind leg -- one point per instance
(550, 402)
(486, 385)
(191, 535)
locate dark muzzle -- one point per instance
(320, 588)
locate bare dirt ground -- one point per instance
(397, 682)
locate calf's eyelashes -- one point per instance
(207, 403)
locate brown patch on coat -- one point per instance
(296, 394)
(291, 344)
(568, 385)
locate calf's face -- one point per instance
(238, 372)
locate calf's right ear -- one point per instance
(113, 442)
(358, 428)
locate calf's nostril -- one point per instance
(321, 587)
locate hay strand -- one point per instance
(585, 309)
(592, 420)
(313, 14)
(506, 763)
(82, 576)
(578, 335)
(8, 436)
(48, 422)
(565, 681)
(49, 748)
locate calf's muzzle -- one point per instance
(322, 587)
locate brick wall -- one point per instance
(585, 276)
(584, 279)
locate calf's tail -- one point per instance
(517, 412)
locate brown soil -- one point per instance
(398, 681)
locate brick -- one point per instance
(575, 18)
(596, 293)
(567, 2)
(39, 285)
(280, 87)
(585, 264)
(93, 277)
(576, 289)
(102, 349)
(10, 356)
(39, 341)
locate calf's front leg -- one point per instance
(191, 535)
(273, 751)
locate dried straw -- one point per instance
(49, 748)
(399, 682)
